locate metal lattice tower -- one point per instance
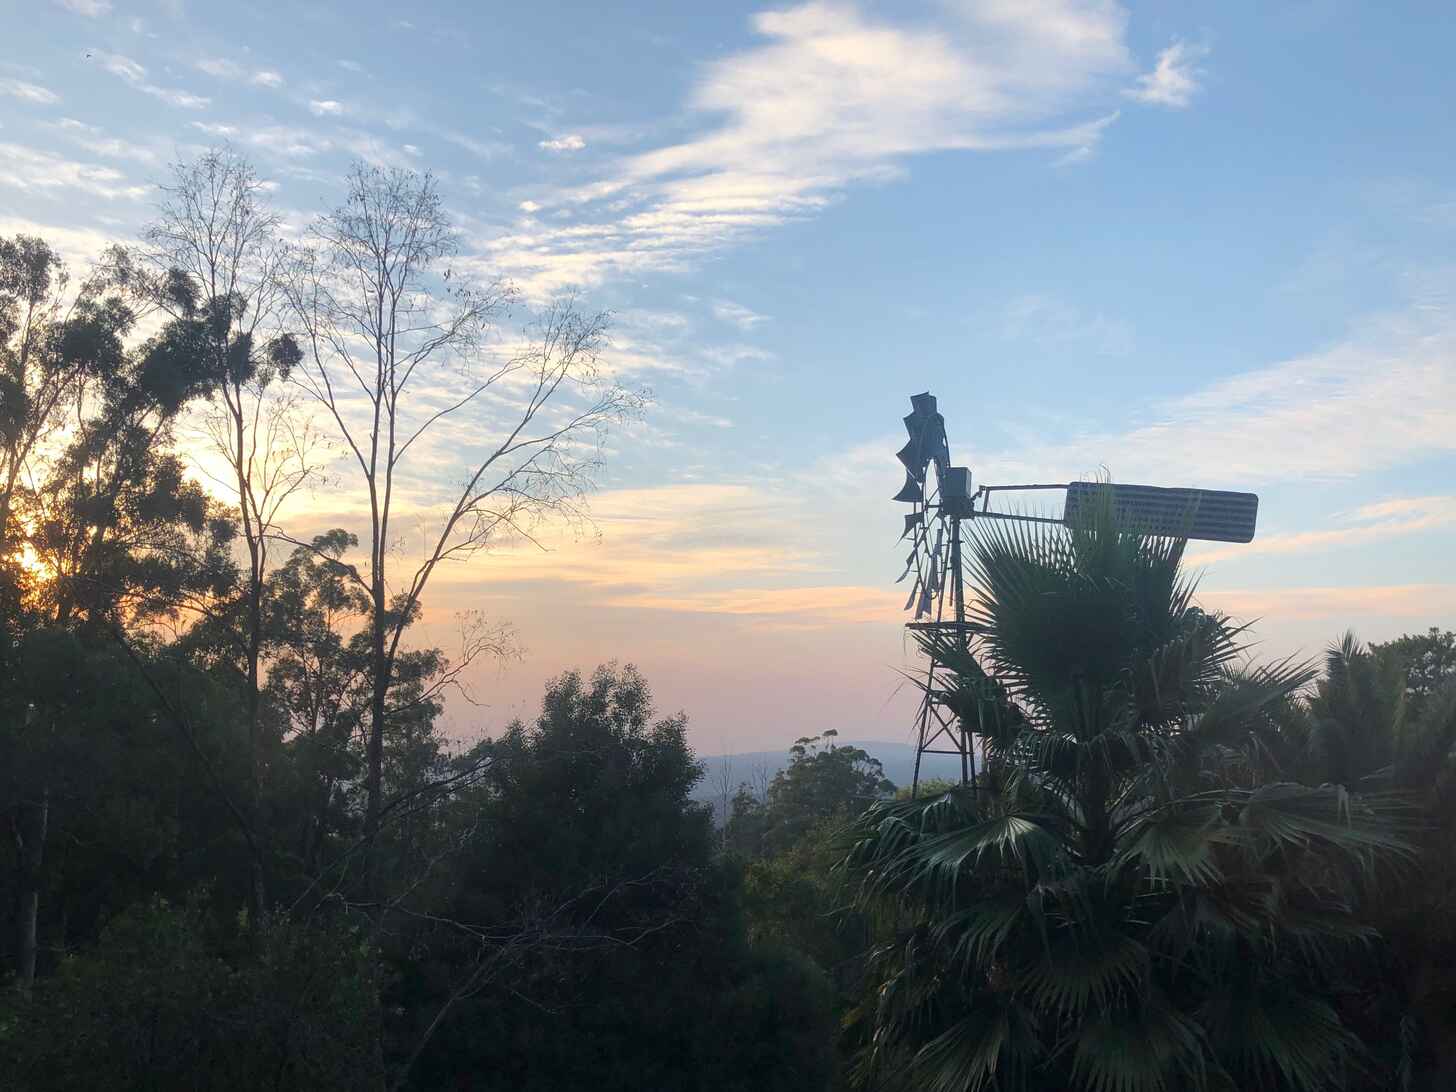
(942, 503)
(934, 529)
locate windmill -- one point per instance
(943, 502)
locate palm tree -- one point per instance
(1124, 901)
(1360, 728)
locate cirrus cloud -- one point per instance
(28, 92)
(135, 74)
(833, 96)
(1174, 80)
(571, 142)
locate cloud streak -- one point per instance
(28, 92)
(737, 315)
(92, 9)
(1377, 522)
(1174, 80)
(1338, 604)
(135, 74)
(1384, 396)
(225, 69)
(571, 142)
(33, 171)
(832, 97)
(94, 140)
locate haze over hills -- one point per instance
(757, 768)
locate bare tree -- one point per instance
(213, 256)
(400, 355)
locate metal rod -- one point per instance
(1018, 488)
(1023, 519)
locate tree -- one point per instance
(171, 998)
(317, 691)
(1385, 718)
(822, 781)
(593, 910)
(1123, 902)
(1427, 660)
(100, 525)
(379, 319)
(212, 261)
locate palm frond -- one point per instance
(994, 1046)
(1149, 1047)
(1276, 1036)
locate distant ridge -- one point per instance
(758, 767)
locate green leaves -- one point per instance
(1126, 869)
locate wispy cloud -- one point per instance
(291, 143)
(94, 140)
(226, 69)
(1377, 522)
(136, 75)
(92, 9)
(1174, 80)
(737, 315)
(810, 607)
(28, 92)
(284, 141)
(35, 171)
(674, 539)
(78, 246)
(1337, 604)
(1050, 321)
(1382, 397)
(833, 96)
(220, 67)
(571, 142)
(325, 107)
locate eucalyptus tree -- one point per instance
(52, 338)
(594, 910)
(211, 262)
(1123, 901)
(103, 530)
(476, 441)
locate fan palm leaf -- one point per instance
(1088, 914)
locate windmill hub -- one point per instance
(943, 502)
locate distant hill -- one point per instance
(758, 767)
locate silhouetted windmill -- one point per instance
(942, 504)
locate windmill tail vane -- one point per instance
(947, 499)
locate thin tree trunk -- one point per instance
(253, 534)
(255, 748)
(34, 819)
(374, 776)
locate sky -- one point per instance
(1181, 244)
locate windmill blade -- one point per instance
(910, 602)
(911, 491)
(923, 607)
(909, 564)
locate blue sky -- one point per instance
(1193, 244)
